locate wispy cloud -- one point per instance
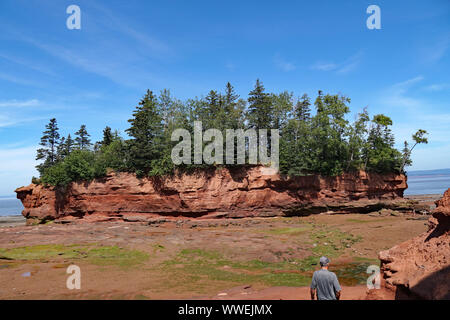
(119, 24)
(19, 80)
(323, 66)
(19, 104)
(284, 65)
(438, 87)
(396, 95)
(435, 52)
(345, 67)
(230, 66)
(31, 65)
(10, 121)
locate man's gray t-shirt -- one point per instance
(326, 284)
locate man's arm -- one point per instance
(338, 295)
(337, 288)
(313, 293)
(313, 288)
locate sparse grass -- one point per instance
(98, 255)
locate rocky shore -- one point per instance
(420, 268)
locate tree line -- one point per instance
(316, 137)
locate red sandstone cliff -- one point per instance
(420, 268)
(243, 192)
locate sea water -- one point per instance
(10, 206)
(428, 182)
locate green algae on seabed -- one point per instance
(192, 266)
(196, 267)
(91, 253)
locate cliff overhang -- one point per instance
(215, 193)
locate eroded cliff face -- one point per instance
(420, 268)
(243, 192)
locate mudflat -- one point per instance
(11, 221)
(249, 258)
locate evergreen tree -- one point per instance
(303, 108)
(146, 132)
(233, 108)
(381, 156)
(49, 146)
(260, 109)
(107, 137)
(282, 106)
(82, 140)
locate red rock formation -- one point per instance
(243, 192)
(420, 268)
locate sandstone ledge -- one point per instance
(215, 193)
(420, 268)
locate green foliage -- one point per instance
(82, 140)
(49, 146)
(78, 166)
(323, 142)
(146, 133)
(107, 137)
(260, 109)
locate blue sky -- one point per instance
(96, 75)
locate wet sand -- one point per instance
(12, 221)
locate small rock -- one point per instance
(26, 274)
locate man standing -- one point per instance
(325, 283)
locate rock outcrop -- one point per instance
(232, 193)
(420, 268)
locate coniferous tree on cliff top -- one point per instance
(49, 143)
(260, 108)
(321, 142)
(146, 133)
(82, 140)
(107, 137)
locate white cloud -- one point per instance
(284, 65)
(438, 87)
(31, 65)
(17, 166)
(396, 96)
(323, 66)
(230, 66)
(19, 104)
(434, 53)
(9, 121)
(341, 68)
(18, 80)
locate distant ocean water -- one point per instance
(419, 182)
(10, 206)
(428, 182)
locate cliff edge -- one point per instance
(215, 193)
